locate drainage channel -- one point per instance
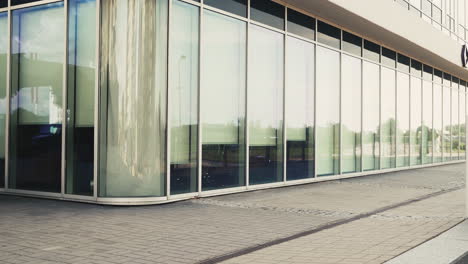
(330, 225)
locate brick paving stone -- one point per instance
(36, 230)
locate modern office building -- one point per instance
(150, 101)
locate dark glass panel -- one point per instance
(36, 98)
(3, 3)
(427, 72)
(455, 82)
(329, 35)
(388, 57)
(238, 7)
(20, 2)
(416, 68)
(403, 63)
(352, 43)
(267, 12)
(437, 76)
(371, 51)
(447, 79)
(301, 24)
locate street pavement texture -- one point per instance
(367, 219)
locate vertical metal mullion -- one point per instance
(340, 100)
(199, 107)
(97, 99)
(362, 106)
(285, 147)
(410, 115)
(64, 99)
(380, 110)
(315, 98)
(395, 142)
(432, 109)
(168, 103)
(247, 136)
(8, 103)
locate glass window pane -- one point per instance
(427, 131)
(437, 123)
(416, 68)
(462, 118)
(223, 96)
(388, 57)
(352, 43)
(267, 12)
(427, 72)
(265, 105)
(184, 98)
(329, 35)
(81, 83)
(403, 120)
(301, 24)
(455, 123)
(238, 7)
(36, 98)
(447, 133)
(403, 3)
(328, 105)
(426, 7)
(437, 76)
(351, 110)
(388, 118)
(3, 76)
(371, 116)
(133, 94)
(300, 109)
(415, 133)
(3, 3)
(447, 80)
(371, 51)
(403, 63)
(20, 2)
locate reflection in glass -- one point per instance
(462, 117)
(300, 109)
(427, 130)
(184, 98)
(223, 96)
(80, 97)
(329, 35)
(238, 7)
(300, 24)
(133, 94)
(328, 121)
(371, 51)
(3, 77)
(352, 43)
(351, 113)
(447, 138)
(371, 117)
(265, 105)
(388, 118)
(36, 98)
(267, 12)
(455, 122)
(437, 122)
(416, 122)
(403, 120)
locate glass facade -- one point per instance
(36, 115)
(81, 70)
(265, 108)
(300, 109)
(146, 99)
(184, 98)
(223, 105)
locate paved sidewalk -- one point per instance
(445, 249)
(45, 231)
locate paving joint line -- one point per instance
(248, 250)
